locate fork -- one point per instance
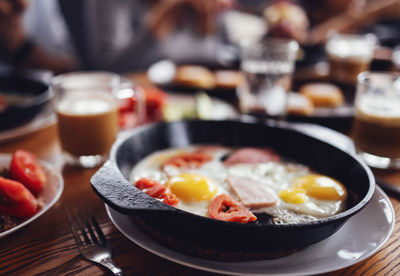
(90, 239)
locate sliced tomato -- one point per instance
(189, 160)
(25, 168)
(224, 207)
(170, 199)
(16, 200)
(145, 183)
(151, 187)
(155, 189)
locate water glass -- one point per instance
(267, 68)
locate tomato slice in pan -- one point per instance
(16, 200)
(155, 189)
(189, 160)
(224, 207)
(25, 168)
(170, 199)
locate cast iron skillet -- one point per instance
(111, 184)
(38, 94)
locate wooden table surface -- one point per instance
(46, 246)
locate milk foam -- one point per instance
(86, 103)
(384, 110)
(353, 48)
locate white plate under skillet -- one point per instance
(49, 195)
(357, 240)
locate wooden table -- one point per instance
(46, 246)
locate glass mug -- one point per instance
(267, 68)
(349, 55)
(376, 130)
(87, 108)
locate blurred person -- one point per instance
(310, 21)
(347, 16)
(287, 19)
(120, 35)
(126, 35)
(18, 48)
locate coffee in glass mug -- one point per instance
(87, 114)
(376, 130)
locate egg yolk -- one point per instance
(295, 196)
(316, 186)
(192, 187)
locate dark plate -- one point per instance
(36, 92)
(112, 186)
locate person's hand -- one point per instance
(287, 20)
(12, 34)
(167, 16)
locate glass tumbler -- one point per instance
(267, 68)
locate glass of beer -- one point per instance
(267, 68)
(349, 55)
(87, 107)
(376, 130)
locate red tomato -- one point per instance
(126, 105)
(155, 189)
(16, 200)
(170, 199)
(223, 207)
(127, 120)
(189, 160)
(155, 100)
(25, 168)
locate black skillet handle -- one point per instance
(117, 192)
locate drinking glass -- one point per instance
(88, 106)
(267, 68)
(349, 55)
(376, 129)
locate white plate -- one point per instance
(45, 118)
(357, 240)
(51, 192)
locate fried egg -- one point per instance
(195, 187)
(302, 195)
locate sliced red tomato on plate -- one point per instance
(25, 168)
(155, 189)
(16, 200)
(224, 207)
(189, 160)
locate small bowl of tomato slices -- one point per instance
(28, 188)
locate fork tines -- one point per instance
(84, 227)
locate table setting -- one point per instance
(118, 227)
(280, 157)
